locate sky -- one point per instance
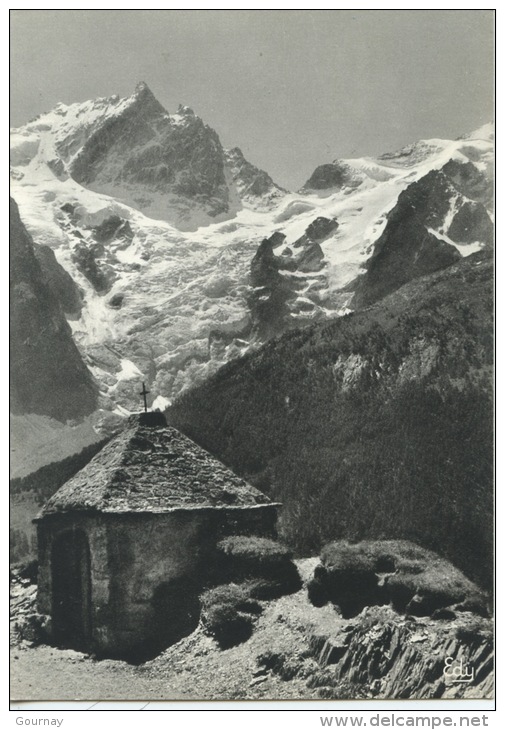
(293, 89)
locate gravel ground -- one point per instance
(193, 669)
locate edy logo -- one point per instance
(456, 671)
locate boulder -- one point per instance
(321, 228)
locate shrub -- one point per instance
(242, 557)
(413, 579)
(230, 593)
(379, 556)
(227, 613)
(438, 584)
(227, 625)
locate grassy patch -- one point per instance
(243, 558)
(378, 572)
(255, 550)
(228, 613)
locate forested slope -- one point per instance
(377, 424)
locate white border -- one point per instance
(293, 714)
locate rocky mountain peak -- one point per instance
(144, 96)
(185, 110)
(254, 186)
(171, 167)
(431, 226)
(142, 88)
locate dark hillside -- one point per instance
(375, 425)
(29, 493)
(48, 375)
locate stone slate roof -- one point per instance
(152, 467)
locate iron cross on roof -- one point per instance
(144, 392)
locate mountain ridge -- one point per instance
(170, 166)
(148, 302)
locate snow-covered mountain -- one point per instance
(184, 255)
(169, 166)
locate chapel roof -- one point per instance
(152, 467)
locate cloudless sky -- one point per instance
(292, 89)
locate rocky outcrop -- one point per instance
(252, 184)
(311, 259)
(270, 293)
(26, 625)
(471, 223)
(309, 254)
(113, 228)
(321, 228)
(406, 249)
(468, 180)
(331, 177)
(59, 281)
(87, 258)
(443, 208)
(48, 375)
(281, 296)
(380, 654)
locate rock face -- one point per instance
(384, 656)
(151, 157)
(151, 154)
(170, 166)
(321, 228)
(59, 281)
(253, 185)
(311, 257)
(270, 291)
(332, 176)
(414, 241)
(286, 286)
(48, 375)
(469, 180)
(470, 223)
